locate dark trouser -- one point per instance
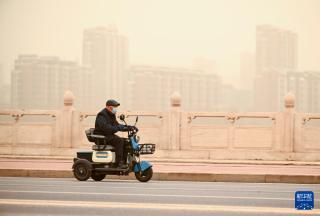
(119, 144)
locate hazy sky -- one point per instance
(162, 32)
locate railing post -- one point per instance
(66, 121)
(174, 122)
(289, 114)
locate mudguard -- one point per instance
(144, 165)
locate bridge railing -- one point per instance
(307, 132)
(283, 135)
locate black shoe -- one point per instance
(114, 165)
(122, 165)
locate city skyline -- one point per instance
(105, 56)
(253, 80)
(156, 35)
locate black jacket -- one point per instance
(106, 123)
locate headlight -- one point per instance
(137, 139)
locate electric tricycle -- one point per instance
(101, 160)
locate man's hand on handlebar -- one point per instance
(122, 128)
(127, 128)
(132, 128)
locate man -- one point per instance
(106, 124)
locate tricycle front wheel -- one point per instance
(144, 176)
(98, 176)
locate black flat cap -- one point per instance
(112, 102)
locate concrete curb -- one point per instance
(204, 177)
(177, 160)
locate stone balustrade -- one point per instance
(286, 135)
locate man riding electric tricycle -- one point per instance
(112, 155)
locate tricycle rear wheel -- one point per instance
(82, 170)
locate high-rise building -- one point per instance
(276, 53)
(306, 88)
(276, 50)
(152, 87)
(105, 51)
(40, 83)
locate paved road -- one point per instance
(41, 196)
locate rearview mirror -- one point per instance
(122, 117)
(137, 118)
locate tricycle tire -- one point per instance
(97, 176)
(145, 175)
(82, 170)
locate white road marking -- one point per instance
(226, 189)
(158, 206)
(148, 195)
(155, 182)
(213, 185)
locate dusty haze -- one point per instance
(163, 32)
(160, 32)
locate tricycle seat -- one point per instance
(99, 140)
(93, 137)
